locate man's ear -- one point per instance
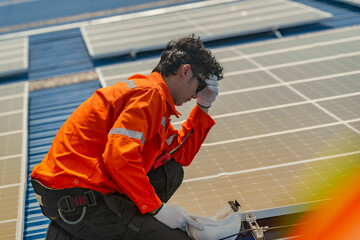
(184, 70)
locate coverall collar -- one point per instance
(165, 90)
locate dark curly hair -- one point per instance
(192, 51)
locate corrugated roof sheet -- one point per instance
(58, 53)
(48, 110)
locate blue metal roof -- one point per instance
(58, 53)
(55, 54)
(48, 110)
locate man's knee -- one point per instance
(167, 179)
(175, 172)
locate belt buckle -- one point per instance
(91, 198)
(68, 208)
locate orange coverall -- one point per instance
(111, 141)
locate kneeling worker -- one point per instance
(98, 179)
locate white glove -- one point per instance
(208, 95)
(176, 217)
(227, 228)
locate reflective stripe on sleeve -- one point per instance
(130, 84)
(163, 122)
(170, 139)
(128, 133)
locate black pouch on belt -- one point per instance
(64, 203)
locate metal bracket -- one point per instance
(250, 222)
(276, 31)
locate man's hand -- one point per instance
(208, 95)
(176, 217)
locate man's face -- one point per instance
(187, 87)
(186, 92)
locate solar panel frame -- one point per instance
(333, 96)
(119, 38)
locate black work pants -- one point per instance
(116, 217)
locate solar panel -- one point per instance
(211, 20)
(13, 156)
(11, 104)
(8, 230)
(351, 2)
(288, 122)
(14, 55)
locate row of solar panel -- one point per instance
(211, 20)
(281, 134)
(280, 102)
(284, 105)
(287, 120)
(13, 155)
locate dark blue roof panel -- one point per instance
(43, 126)
(58, 53)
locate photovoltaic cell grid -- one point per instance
(14, 56)
(13, 157)
(210, 19)
(288, 122)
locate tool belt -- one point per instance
(65, 203)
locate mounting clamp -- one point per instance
(250, 223)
